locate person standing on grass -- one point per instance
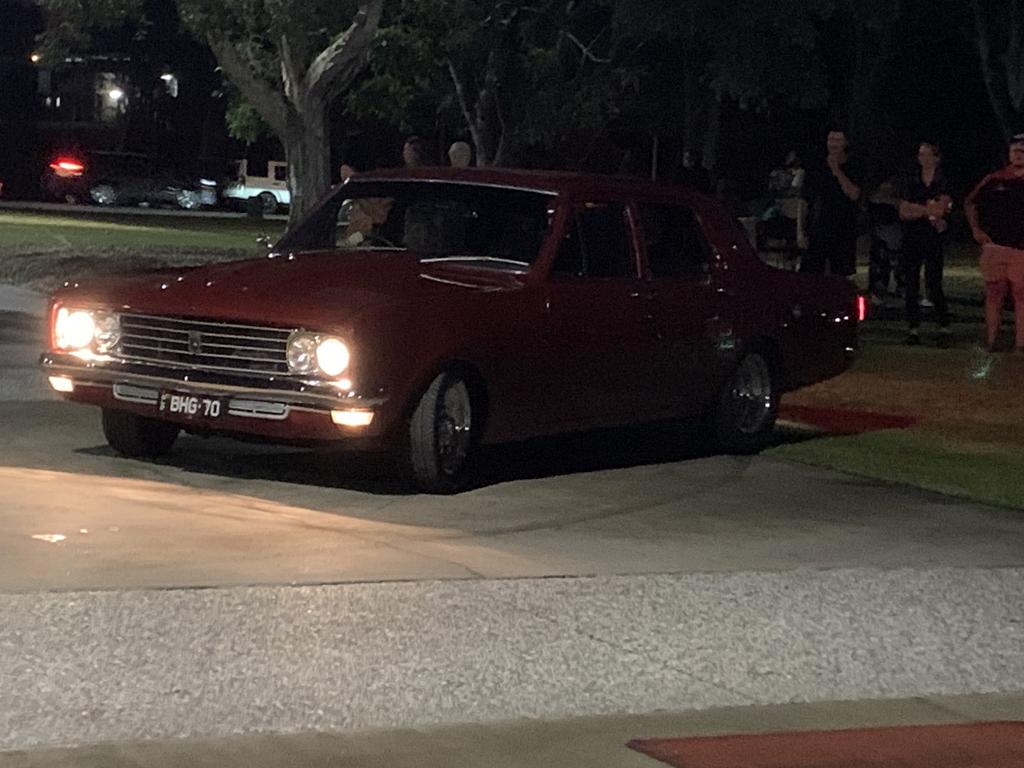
(995, 211)
(923, 210)
(833, 195)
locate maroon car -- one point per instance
(432, 311)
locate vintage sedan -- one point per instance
(432, 311)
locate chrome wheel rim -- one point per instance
(188, 200)
(454, 428)
(103, 194)
(751, 396)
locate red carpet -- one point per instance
(837, 422)
(976, 745)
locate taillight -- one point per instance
(67, 166)
(862, 308)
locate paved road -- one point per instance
(586, 575)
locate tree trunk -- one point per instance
(307, 150)
(1003, 71)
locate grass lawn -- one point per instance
(968, 406)
(968, 439)
(44, 250)
(40, 232)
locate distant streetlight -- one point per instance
(167, 77)
(115, 94)
(35, 58)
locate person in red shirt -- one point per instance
(995, 211)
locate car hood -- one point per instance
(310, 289)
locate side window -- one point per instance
(257, 169)
(597, 243)
(280, 173)
(675, 242)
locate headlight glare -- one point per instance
(74, 329)
(332, 356)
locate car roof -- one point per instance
(553, 182)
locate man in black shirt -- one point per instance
(926, 203)
(833, 195)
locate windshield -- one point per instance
(486, 226)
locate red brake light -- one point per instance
(862, 308)
(67, 166)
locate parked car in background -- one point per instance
(451, 308)
(265, 184)
(121, 178)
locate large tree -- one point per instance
(289, 59)
(557, 75)
(508, 74)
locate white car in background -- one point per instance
(265, 182)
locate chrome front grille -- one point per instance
(204, 345)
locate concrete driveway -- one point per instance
(218, 512)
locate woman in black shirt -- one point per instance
(924, 209)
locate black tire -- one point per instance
(438, 453)
(747, 405)
(268, 203)
(137, 437)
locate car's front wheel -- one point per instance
(268, 203)
(747, 405)
(103, 194)
(189, 200)
(438, 453)
(137, 437)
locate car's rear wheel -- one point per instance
(437, 456)
(747, 405)
(268, 203)
(103, 194)
(189, 200)
(137, 437)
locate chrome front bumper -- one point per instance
(140, 381)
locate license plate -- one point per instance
(193, 406)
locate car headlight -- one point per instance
(108, 331)
(332, 356)
(78, 329)
(73, 328)
(310, 353)
(302, 353)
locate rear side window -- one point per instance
(257, 168)
(676, 246)
(280, 173)
(597, 244)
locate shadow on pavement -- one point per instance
(376, 473)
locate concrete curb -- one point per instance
(592, 742)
